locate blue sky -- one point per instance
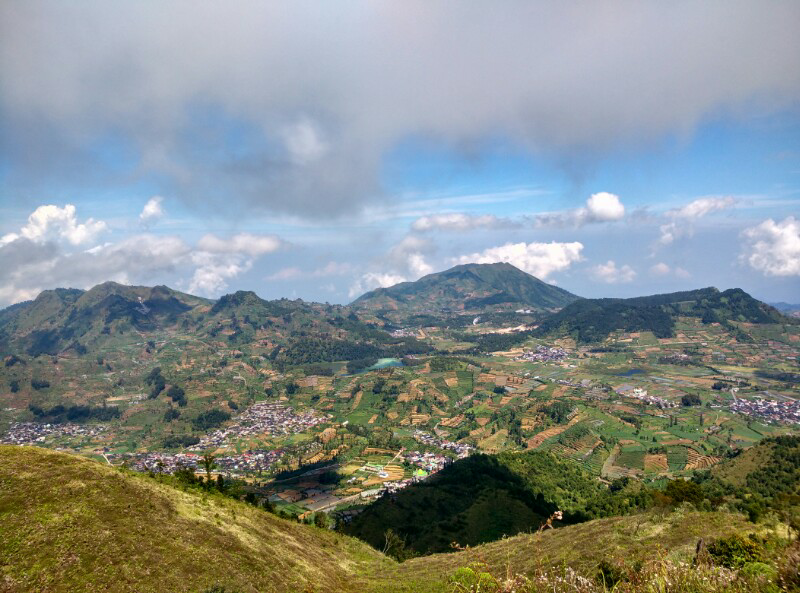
(619, 150)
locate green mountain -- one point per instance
(468, 288)
(482, 498)
(70, 524)
(296, 332)
(593, 320)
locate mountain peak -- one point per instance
(469, 287)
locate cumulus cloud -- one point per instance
(538, 259)
(152, 211)
(600, 207)
(373, 280)
(611, 274)
(460, 222)
(50, 222)
(49, 252)
(406, 260)
(661, 270)
(682, 218)
(324, 102)
(773, 248)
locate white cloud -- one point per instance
(152, 210)
(457, 221)
(213, 271)
(661, 269)
(253, 245)
(539, 259)
(49, 222)
(773, 248)
(682, 218)
(603, 207)
(611, 274)
(373, 280)
(303, 142)
(702, 206)
(600, 207)
(34, 259)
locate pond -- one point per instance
(631, 373)
(384, 363)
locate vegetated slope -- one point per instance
(70, 318)
(70, 524)
(483, 498)
(303, 332)
(469, 287)
(592, 320)
(632, 539)
(64, 319)
(74, 525)
(764, 476)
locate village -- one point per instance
(786, 410)
(33, 433)
(262, 419)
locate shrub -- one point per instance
(735, 551)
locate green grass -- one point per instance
(74, 525)
(71, 524)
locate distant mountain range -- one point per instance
(296, 332)
(468, 288)
(592, 320)
(291, 332)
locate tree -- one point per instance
(208, 464)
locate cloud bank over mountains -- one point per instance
(303, 101)
(312, 150)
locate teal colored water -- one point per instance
(385, 362)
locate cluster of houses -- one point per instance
(403, 333)
(429, 462)
(167, 463)
(787, 411)
(31, 433)
(641, 394)
(544, 354)
(259, 419)
(460, 449)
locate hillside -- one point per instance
(71, 524)
(483, 498)
(110, 314)
(76, 525)
(467, 288)
(593, 320)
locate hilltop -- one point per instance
(468, 288)
(482, 498)
(63, 320)
(71, 524)
(593, 320)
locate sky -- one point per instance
(318, 150)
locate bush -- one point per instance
(38, 384)
(684, 491)
(736, 551)
(210, 419)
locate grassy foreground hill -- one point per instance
(73, 524)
